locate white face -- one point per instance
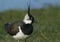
(26, 19)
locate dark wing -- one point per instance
(12, 28)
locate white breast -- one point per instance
(20, 35)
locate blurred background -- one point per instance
(46, 13)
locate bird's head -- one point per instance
(28, 19)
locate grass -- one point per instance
(47, 28)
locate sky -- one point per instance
(22, 4)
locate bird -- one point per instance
(21, 29)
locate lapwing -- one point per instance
(21, 30)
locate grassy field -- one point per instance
(47, 28)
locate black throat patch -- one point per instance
(27, 29)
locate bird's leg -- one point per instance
(18, 40)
